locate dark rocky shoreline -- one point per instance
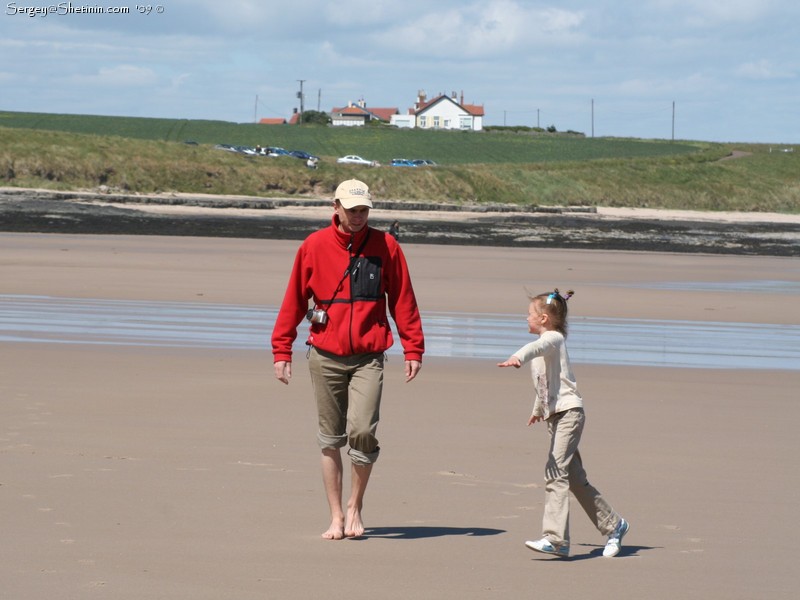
(75, 213)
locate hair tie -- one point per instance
(555, 294)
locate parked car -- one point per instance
(352, 159)
(271, 151)
(302, 155)
(402, 162)
(423, 162)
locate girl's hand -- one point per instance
(511, 362)
(534, 419)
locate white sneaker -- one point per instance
(544, 545)
(615, 539)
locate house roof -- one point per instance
(277, 121)
(475, 110)
(384, 114)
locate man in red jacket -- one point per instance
(353, 274)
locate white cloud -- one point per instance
(479, 30)
(709, 13)
(763, 69)
(180, 80)
(119, 76)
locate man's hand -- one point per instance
(283, 371)
(412, 368)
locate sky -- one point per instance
(710, 70)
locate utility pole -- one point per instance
(537, 119)
(592, 117)
(673, 120)
(300, 95)
(255, 111)
(319, 99)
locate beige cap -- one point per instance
(352, 193)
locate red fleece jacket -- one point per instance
(357, 316)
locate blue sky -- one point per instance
(608, 67)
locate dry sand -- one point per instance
(141, 472)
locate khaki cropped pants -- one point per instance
(348, 393)
(564, 473)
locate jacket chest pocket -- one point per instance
(365, 278)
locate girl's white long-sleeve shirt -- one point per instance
(553, 380)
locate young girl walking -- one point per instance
(558, 403)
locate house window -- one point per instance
(436, 122)
(447, 123)
(423, 122)
(466, 122)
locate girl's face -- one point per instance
(537, 320)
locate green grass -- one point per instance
(140, 155)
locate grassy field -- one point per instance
(140, 155)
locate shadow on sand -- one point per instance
(595, 552)
(415, 533)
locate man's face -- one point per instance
(352, 220)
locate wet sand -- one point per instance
(144, 472)
(582, 228)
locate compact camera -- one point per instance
(317, 316)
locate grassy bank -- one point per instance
(149, 155)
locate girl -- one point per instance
(559, 404)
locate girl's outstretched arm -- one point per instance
(513, 361)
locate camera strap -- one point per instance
(349, 268)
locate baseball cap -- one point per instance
(352, 193)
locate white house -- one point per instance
(443, 112)
(403, 121)
(356, 114)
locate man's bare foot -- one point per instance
(335, 531)
(355, 527)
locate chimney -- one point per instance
(362, 103)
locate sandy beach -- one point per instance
(144, 472)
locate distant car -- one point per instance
(423, 162)
(302, 155)
(402, 162)
(277, 152)
(352, 159)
